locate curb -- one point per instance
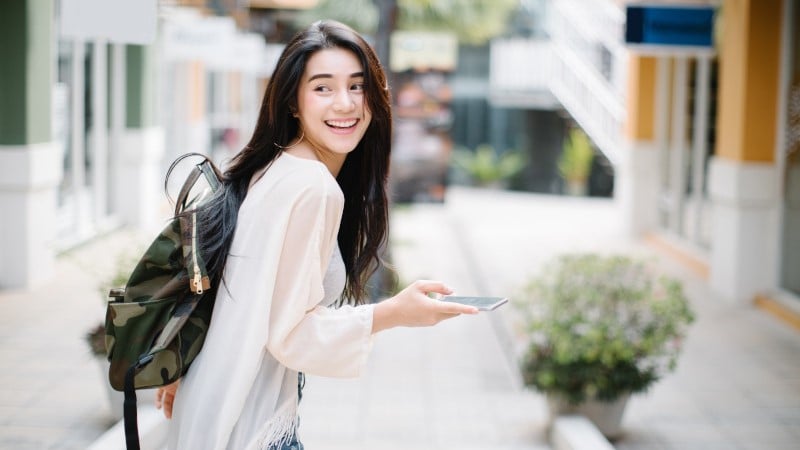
(577, 433)
(152, 432)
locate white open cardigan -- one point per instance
(268, 321)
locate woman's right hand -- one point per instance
(413, 307)
(165, 397)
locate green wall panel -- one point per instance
(140, 86)
(26, 71)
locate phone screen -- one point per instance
(482, 303)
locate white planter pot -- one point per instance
(606, 416)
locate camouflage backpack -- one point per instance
(156, 325)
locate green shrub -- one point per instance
(600, 326)
(485, 166)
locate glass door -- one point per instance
(790, 246)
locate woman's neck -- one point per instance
(307, 150)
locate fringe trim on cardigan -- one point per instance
(278, 430)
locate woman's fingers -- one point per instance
(165, 397)
(428, 286)
(414, 307)
(456, 308)
(169, 399)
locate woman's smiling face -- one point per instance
(331, 106)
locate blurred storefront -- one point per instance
(702, 138)
(704, 144)
(98, 97)
(421, 63)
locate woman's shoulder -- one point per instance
(291, 177)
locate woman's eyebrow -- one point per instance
(327, 75)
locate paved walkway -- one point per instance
(52, 393)
(447, 387)
(450, 387)
(737, 385)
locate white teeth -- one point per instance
(341, 123)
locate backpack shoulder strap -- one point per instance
(204, 168)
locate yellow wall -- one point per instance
(749, 80)
(640, 99)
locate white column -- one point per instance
(639, 179)
(745, 207)
(637, 187)
(29, 176)
(117, 119)
(699, 146)
(677, 151)
(77, 122)
(138, 185)
(99, 131)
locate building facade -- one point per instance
(704, 143)
(705, 146)
(90, 119)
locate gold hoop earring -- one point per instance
(302, 135)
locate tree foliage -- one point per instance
(473, 21)
(361, 15)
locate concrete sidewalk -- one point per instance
(52, 389)
(445, 387)
(737, 385)
(454, 386)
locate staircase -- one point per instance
(580, 67)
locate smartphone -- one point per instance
(482, 303)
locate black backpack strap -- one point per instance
(167, 335)
(211, 173)
(129, 406)
(129, 411)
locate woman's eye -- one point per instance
(358, 87)
(322, 88)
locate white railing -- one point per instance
(588, 99)
(519, 70)
(583, 67)
(519, 64)
(588, 68)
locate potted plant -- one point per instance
(599, 328)
(575, 162)
(96, 336)
(96, 339)
(486, 168)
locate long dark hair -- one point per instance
(362, 178)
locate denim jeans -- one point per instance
(294, 443)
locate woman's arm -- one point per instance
(413, 307)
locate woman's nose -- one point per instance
(343, 102)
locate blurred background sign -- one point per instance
(214, 40)
(120, 21)
(196, 37)
(423, 50)
(670, 26)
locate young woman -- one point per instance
(295, 235)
